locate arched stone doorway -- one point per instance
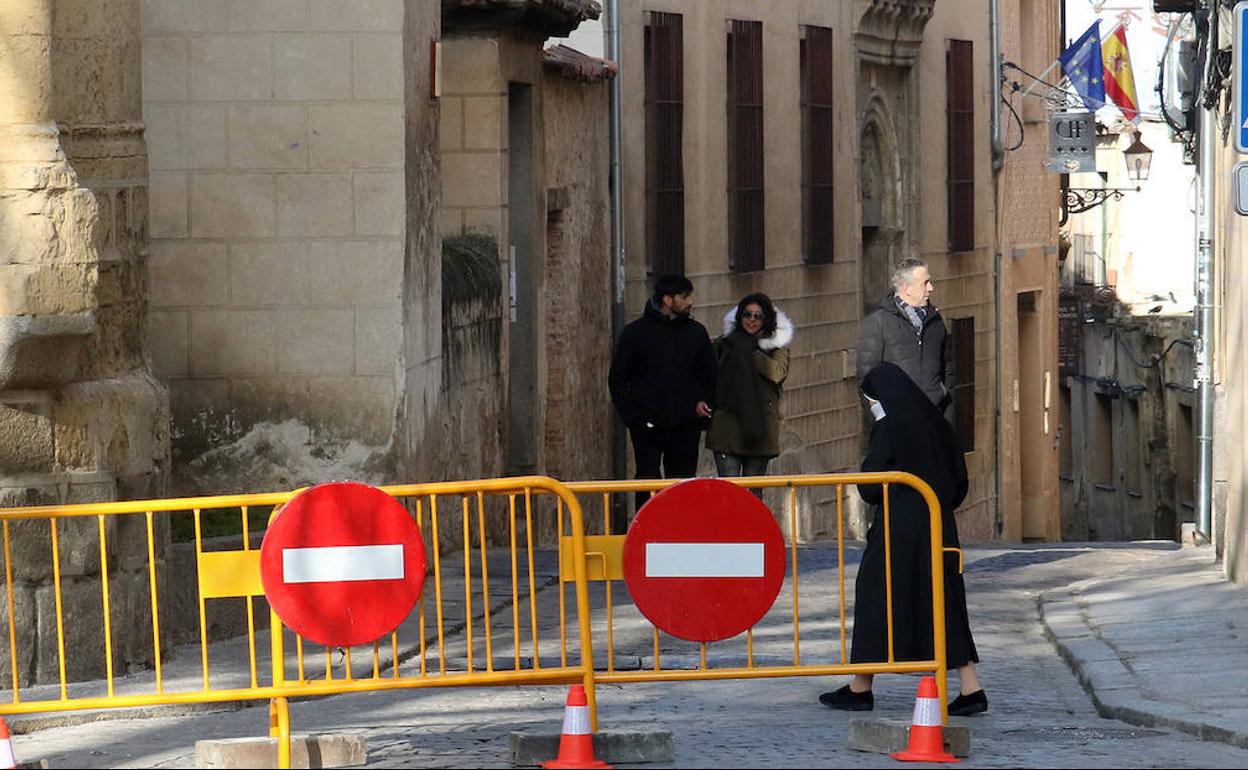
(881, 182)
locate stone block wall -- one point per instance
(277, 141)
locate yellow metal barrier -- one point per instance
(603, 555)
(518, 508)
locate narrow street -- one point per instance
(1039, 714)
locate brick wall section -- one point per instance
(276, 132)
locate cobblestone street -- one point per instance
(1039, 715)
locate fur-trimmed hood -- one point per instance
(782, 337)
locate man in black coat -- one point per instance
(662, 382)
(907, 330)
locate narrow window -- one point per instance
(665, 166)
(1103, 452)
(745, 146)
(1135, 457)
(960, 106)
(1066, 469)
(818, 211)
(1185, 471)
(962, 335)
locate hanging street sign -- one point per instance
(1072, 142)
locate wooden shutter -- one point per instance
(665, 165)
(745, 146)
(818, 138)
(960, 103)
(962, 337)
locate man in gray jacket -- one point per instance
(907, 330)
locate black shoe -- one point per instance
(966, 705)
(846, 699)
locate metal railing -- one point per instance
(456, 602)
(625, 630)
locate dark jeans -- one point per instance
(741, 465)
(676, 449)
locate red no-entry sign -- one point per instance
(342, 564)
(704, 560)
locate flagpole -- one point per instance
(1043, 75)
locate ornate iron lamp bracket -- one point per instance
(1081, 199)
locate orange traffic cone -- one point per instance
(576, 744)
(927, 736)
(6, 747)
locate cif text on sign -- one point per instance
(1072, 142)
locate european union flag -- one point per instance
(1084, 68)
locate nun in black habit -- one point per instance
(910, 434)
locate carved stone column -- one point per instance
(81, 417)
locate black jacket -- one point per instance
(887, 335)
(661, 369)
(912, 437)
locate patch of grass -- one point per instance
(220, 522)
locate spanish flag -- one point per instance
(1119, 80)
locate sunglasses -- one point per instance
(755, 316)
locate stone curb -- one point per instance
(1114, 689)
(612, 746)
(886, 736)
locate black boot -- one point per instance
(965, 705)
(846, 699)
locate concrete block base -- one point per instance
(616, 748)
(885, 736)
(305, 751)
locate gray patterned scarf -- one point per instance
(915, 315)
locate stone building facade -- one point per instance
(891, 102)
(524, 169)
(1126, 367)
(1126, 420)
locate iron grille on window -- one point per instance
(960, 103)
(665, 166)
(962, 335)
(745, 146)
(818, 137)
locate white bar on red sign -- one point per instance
(704, 560)
(337, 564)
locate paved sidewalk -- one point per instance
(1159, 644)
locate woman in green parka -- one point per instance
(753, 360)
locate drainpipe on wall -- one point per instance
(1206, 223)
(994, 41)
(619, 443)
(998, 160)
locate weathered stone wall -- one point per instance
(278, 148)
(1130, 454)
(81, 418)
(421, 335)
(471, 419)
(578, 278)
